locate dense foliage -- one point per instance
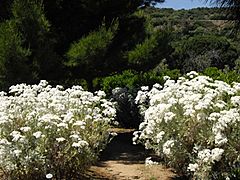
(201, 38)
(193, 124)
(51, 33)
(48, 131)
(72, 42)
(232, 8)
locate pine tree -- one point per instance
(13, 56)
(87, 55)
(32, 23)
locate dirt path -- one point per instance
(124, 161)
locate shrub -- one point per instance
(127, 79)
(47, 131)
(227, 76)
(193, 124)
(134, 80)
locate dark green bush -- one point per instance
(226, 75)
(202, 51)
(13, 56)
(134, 80)
(127, 79)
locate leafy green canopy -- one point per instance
(13, 56)
(92, 46)
(202, 51)
(28, 29)
(53, 30)
(87, 54)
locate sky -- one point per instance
(183, 4)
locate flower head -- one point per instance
(49, 176)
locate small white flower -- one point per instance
(192, 74)
(49, 176)
(75, 144)
(160, 136)
(220, 139)
(193, 167)
(83, 143)
(167, 147)
(61, 139)
(220, 104)
(144, 88)
(74, 136)
(165, 78)
(4, 142)
(16, 135)
(216, 154)
(79, 123)
(204, 155)
(68, 117)
(37, 134)
(157, 86)
(113, 134)
(80, 144)
(235, 101)
(25, 129)
(101, 93)
(169, 116)
(149, 162)
(64, 125)
(43, 83)
(17, 152)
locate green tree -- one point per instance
(133, 33)
(152, 50)
(35, 29)
(76, 18)
(14, 66)
(27, 45)
(149, 53)
(48, 29)
(86, 56)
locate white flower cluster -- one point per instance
(149, 162)
(167, 147)
(205, 159)
(194, 111)
(46, 128)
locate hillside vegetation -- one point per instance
(108, 40)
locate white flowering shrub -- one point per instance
(194, 125)
(48, 132)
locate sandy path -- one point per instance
(124, 161)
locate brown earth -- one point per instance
(122, 160)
